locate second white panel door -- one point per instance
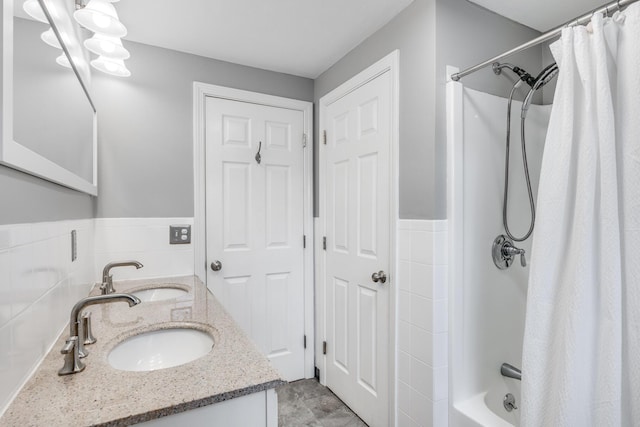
(254, 210)
(357, 212)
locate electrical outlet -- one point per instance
(179, 234)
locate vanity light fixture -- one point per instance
(112, 66)
(63, 60)
(100, 16)
(50, 38)
(110, 47)
(33, 9)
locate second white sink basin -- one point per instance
(161, 349)
(159, 294)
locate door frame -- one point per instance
(390, 64)
(200, 93)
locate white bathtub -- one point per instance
(485, 409)
(487, 305)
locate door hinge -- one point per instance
(304, 140)
(324, 243)
(324, 137)
(304, 241)
(324, 347)
(305, 341)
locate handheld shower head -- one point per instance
(545, 76)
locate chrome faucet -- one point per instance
(107, 278)
(74, 346)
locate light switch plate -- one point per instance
(179, 234)
(74, 245)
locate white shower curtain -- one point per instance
(581, 355)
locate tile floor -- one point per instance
(307, 403)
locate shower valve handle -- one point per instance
(504, 252)
(509, 250)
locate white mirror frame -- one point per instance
(17, 156)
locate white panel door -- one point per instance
(254, 220)
(357, 215)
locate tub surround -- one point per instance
(102, 395)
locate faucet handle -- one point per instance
(523, 260)
(69, 345)
(87, 334)
(72, 363)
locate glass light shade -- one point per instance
(115, 67)
(33, 9)
(50, 38)
(63, 60)
(107, 46)
(100, 17)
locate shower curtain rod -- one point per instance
(608, 8)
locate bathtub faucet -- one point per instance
(511, 371)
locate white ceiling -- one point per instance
(300, 37)
(541, 15)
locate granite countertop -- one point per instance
(103, 396)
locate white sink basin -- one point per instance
(161, 349)
(159, 294)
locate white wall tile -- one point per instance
(421, 408)
(404, 306)
(404, 245)
(440, 350)
(421, 277)
(422, 330)
(404, 367)
(440, 383)
(5, 287)
(440, 287)
(422, 312)
(440, 247)
(36, 273)
(145, 240)
(441, 413)
(404, 337)
(21, 268)
(440, 319)
(421, 346)
(422, 247)
(405, 421)
(404, 275)
(7, 373)
(404, 397)
(422, 380)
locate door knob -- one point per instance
(380, 276)
(216, 265)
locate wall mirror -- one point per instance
(48, 117)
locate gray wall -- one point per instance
(145, 121)
(466, 35)
(145, 127)
(25, 198)
(431, 34)
(413, 33)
